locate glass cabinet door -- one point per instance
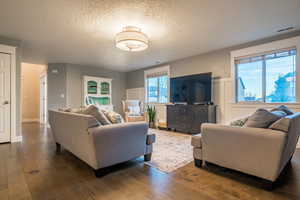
(92, 87)
(104, 88)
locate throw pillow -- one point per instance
(98, 114)
(284, 109)
(279, 113)
(239, 122)
(114, 117)
(281, 124)
(134, 110)
(262, 118)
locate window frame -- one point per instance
(263, 74)
(265, 49)
(163, 69)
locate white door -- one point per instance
(4, 97)
(43, 99)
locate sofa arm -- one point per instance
(119, 142)
(151, 138)
(196, 141)
(256, 151)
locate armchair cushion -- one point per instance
(134, 110)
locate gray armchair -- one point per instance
(256, 151)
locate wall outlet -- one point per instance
(54, 71)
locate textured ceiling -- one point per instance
(82, 31)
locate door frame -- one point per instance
(14, 126)
(44, 76)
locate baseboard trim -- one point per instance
(30, 120)
(16, 139)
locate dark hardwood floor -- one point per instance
(33, 170)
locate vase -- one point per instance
(152, 125)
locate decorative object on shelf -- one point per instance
(97, 91)
(151, 116)
(131, 39)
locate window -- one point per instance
(270, 77)
(157, 85)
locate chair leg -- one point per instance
(102, 172)
(198, 163)
(268, 185)
(147, 157)
(58, 148)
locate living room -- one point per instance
(150, 99)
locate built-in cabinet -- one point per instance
(97, 91)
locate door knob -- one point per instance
(5, 102)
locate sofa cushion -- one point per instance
(262, 118)
(113, 117)
(197, 141)
(282, 124)
(98, 114)
(284, 109)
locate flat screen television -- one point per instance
(193, 89)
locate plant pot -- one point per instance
(152, 125)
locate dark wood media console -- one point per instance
(188, 118)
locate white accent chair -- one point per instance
(134, 110)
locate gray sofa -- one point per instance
(256, 151)
(100, 146)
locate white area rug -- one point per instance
(171, 150)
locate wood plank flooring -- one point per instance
(32, 170)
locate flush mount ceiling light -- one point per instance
(131, 39)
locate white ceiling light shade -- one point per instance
(132, 39)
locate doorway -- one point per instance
(43, 99)
(33, 83)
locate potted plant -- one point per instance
(151, 116)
